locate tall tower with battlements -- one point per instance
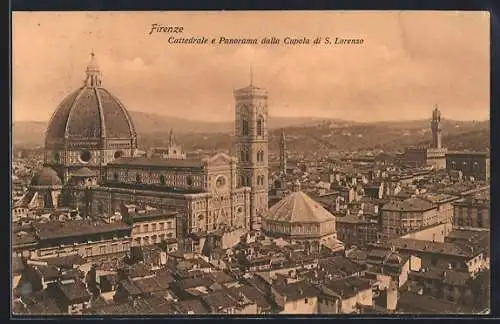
(436, 128)
(252, 147)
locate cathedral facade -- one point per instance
(91, 146)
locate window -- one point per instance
(118, 154)
(220, 182)
(162, 226)
(162, 179)
(189, 180)
(244, 126)
(306, 301)
(260, 126)
(88, 251)
(85, 156)
(169, 225)
(260, 156)
(115, 176)
(138, 178)
(153, 227)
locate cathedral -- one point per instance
(92, 164)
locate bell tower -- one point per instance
(252, 147)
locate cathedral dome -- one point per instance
(46, 177)
(90, 114)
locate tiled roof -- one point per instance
(46, 177)
(409, 205)
(297, 290)
(410, 302)
(58, 229)
(349, 287)
(84, 172)
(446, 248)
(90, 113)
(299, 208)
(154, 161)
(74, 291)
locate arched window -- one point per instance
(244, 126)
(453, 165)
(115, 176)
(242, 181)
(247, 156)
(260, 156)
(162, 179)
(475, 166)
(243, 155)
(138, 178)
(464, 164)
(260, 126)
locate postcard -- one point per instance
(250, 163)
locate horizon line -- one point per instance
(318, 118)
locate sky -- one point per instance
(408, 62)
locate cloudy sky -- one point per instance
(409, 62)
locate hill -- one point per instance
(28, 133)
(303, 134)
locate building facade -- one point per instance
(473, 211)
(471, 164)
(399, 218)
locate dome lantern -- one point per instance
(94, 77)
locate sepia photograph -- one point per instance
(252, 163)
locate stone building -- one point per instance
(172, 151)
(402, 217)
(471, 164)
(252, 147)
(44, 191)
(472, 211)
(89, 128)
(429, 156)
(298, 218)
(91, 156)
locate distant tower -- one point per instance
(283, 153)
(172, 152)
(436, 128)
(252, 147)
